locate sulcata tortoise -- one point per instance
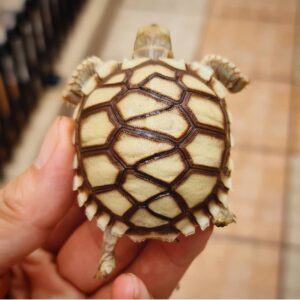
(152, 142)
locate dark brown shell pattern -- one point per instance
(153, 150)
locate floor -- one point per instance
(259, 256)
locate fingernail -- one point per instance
(139, 290)
(49, 145)
(134, 285)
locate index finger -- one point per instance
(160, 265)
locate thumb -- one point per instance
(34, 202)
(129, 286)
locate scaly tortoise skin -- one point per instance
(152, 142)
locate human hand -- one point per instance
(49, 250)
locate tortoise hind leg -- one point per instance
(107, 261)
(226, 72)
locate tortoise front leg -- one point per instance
(226, 72)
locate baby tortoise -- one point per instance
(152, 142)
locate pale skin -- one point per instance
(49, 250)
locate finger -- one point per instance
(19, 287)
(44, 279)
(66, 226)
(79, 257)
(161, 265)
(31, 205)
(125, 286)
(4, 285)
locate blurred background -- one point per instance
(42, 41)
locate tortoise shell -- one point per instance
(152, 147)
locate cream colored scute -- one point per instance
(131, 63)
(205, 72)
(100, 170)
(91, 210)
(114, 201)
(133, 148)
(119, 228)
(95, 129)
(106, 68)
(77, 182)
(82, 197)
(196, 84)
(206, 111)
(140, 189)
(219, 88)
(170, 122)
(101, 95)
(143, 218)
(167, 237)
(166, 168)
(223, 197)
(177, 64)
(185, 226)
(89, 85)
(143, 72)
(227, 181)
(202, 219)
(135, 104)
(165, 206)
(76, 112)
(116, 78)
(103, 221)
(196, 188)
(165, 87)
(206, 150)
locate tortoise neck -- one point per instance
(153, 42)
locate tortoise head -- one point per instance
(153, 41)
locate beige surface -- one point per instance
(178, 19)
(185, 226)
(293, 204)
(195, 84)
(131, 63)
(106, 68)
(166, 206)
(257, 197)
(143, 72)
(118, 206)
(260, 49)
(295, 119)
(193, 195)
(291, 271)
(134, 104)
(108, 173)
(261, 116)
(143, 218)
(164, 87)
(267, 10)
(169, 167)
(206, 111)
(175, 63)
(206, 150)
(133, 148)
(170, 122)
(139, 188)
(95, 129)
(116, 78)
(232, 269)
(101, 95)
